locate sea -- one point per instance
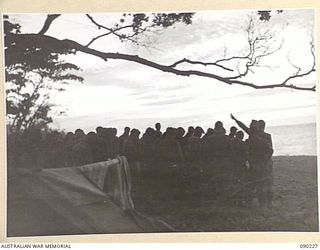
(294, 139)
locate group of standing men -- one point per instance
(225, 160)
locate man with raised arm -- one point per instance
(242, 125)
(260, 159)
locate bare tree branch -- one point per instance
(54, 42)
(254, 60)
(231, 58)
(298, 69)
(259, 46)
(184, 60)
(97, 37)
(297, 76)
(48, 22)
(258, 49)
(114, 31)
(298, 73)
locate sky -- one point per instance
(119, 93)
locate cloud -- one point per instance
(169, 101)
(118, 92)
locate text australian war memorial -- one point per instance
(160, 122)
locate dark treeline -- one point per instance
(215, 154)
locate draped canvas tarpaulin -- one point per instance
(89, 199)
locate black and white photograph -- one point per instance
(160, 122)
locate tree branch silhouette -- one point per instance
(50, 18)
(56, 44)
(259, 46)
(184, 60)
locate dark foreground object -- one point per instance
(91, 199)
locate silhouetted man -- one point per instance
(99, 130)
(266, 136)
(168, 152)
(208, 133)
(79, 133)
(180, 133)
(131, 149)
(97, 147)
(190, 132)
(123, 137)
(233, 131)
(216, 153)
(169, 164)
(213, 145)
(239, 135)
(193, 151)
(239, 160)
(113, 145)
(184, 140)
(80, 150)
(267, 148)
(147, 147)
(260, 153)
(218, 128)
(239, 156)
(158, 130)
(180, 139)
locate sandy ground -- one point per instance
(295, 203)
